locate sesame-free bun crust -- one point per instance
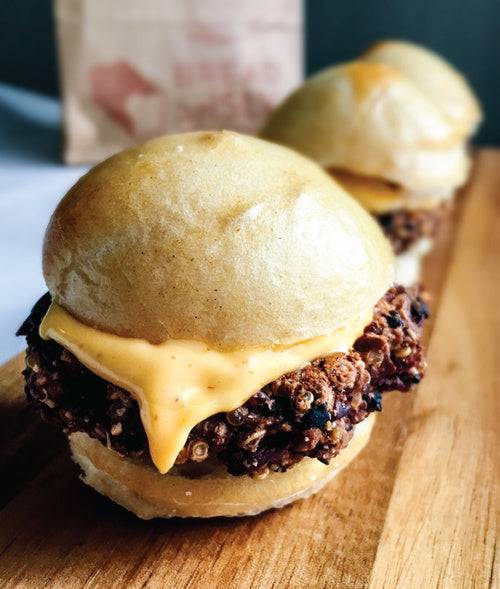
(369, 118)
(215, 237)
(136, 485)
(435, 77)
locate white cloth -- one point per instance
(32, 181)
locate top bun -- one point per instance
(215, 237)
(399, 113)
(435, 77)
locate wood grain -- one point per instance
(418, 507)
(447, 487)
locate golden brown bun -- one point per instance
(215, 237)
(140, 488)
(435, 77)
(369, 118)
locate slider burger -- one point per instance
(392, 128)
(221, 323)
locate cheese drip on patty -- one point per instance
(179, 383)
(380, 196)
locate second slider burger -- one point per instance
(221, 323)
(392, 128)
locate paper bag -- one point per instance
(135, 69)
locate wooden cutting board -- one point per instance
(417, 509)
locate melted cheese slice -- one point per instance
(179, 383)
(379, 197)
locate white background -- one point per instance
(32, 181)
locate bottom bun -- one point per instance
(202, 490)
(409, 263)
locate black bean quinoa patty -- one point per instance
(309, 412)
(404, 227)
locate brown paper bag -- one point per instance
(135, 69)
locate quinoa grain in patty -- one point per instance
(309, 412)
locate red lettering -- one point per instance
(228, 72)
(271, 71)
(183, 74)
